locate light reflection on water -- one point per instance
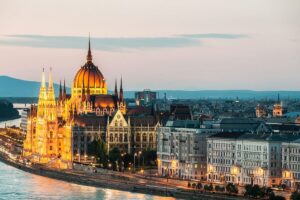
(16, 185)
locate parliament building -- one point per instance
(60, 130)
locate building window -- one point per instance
(138, 137)
(151, 138)
(144, 137)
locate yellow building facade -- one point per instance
(49, 130)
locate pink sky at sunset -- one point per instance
(167, 44)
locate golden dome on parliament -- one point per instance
(89, 77)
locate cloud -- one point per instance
(111, 43)
(214, 36)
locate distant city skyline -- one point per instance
(178, 45)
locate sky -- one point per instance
(155, 44)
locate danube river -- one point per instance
(16, 184)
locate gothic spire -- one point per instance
(89, 55)
(121, 91)
(50, 84)
(43, 79)
(116, 89)
(60, 92)
(64, 97)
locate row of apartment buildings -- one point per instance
(220, 157)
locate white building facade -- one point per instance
(244, 159)
(291, 164)
(181, 152)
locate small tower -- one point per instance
(64, 96)
(116, 89)
(42, 97)
(121, 101)
(278, 108)
(60, 93)
(51, 111)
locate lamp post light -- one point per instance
(135, 154)
(139, 157)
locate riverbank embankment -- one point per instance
(125, 183)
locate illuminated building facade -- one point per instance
(278, 109)
(130, 134)
(244, 158)
(291, 164)
(50, 125)
(182, 152)
(48, 139)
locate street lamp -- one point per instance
(135, 154)
(139, 157)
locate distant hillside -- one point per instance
(228, 94)
(11, 87)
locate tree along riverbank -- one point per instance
(7, 111)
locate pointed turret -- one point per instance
(121, 91)
(60, 92)
(64, 97)
(42, 97)
(51, 103)
(89, 56)
(116, 89)
(50, 84)
(43, 79)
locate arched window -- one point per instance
(111, 138)
(144, 137)
(120, 137)
(138, 137)
(151, 138)
(125, 138)
(116, 137)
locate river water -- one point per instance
(18, 185)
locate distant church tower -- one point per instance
(278, 108)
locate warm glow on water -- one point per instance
(16, 184)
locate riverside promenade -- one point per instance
(114, 180)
